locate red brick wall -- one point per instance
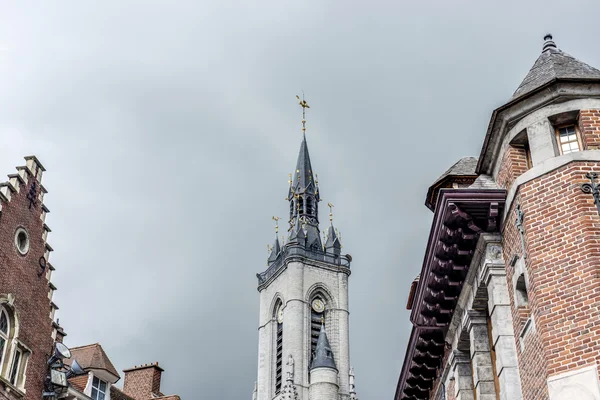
(532, 360)
(514, 163)
(140, 383)
(562, 232)
(589, 126)
(19, 276)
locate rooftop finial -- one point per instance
(330, 212)
(304, 106)
(276, 219)
(548, 43)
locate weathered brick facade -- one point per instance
(24, 286)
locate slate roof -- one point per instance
(464, 166)
(323, 352)
(92, 356)
(303, 175)
(553, 64)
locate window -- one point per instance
(22, 241)
(16, 366)
(4, 329)
(98, 389)
(317, 319)
(568, 139)
(521, 292)
(279, 346)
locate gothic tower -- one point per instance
(304, 303)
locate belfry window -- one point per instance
(317, 318)
(279, 347)
(301, 204)
(568, 139)
(309, 205)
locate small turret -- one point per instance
(323, 372)
(353, 395)
(274, 251)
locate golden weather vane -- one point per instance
(276, 219)
(304, 106)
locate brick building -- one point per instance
(507, 304)
(29, 335)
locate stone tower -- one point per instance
(303, 294)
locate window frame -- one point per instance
(98, 390)
(14, 380)
(5, 337)
(557, 129)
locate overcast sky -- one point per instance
(168, 129)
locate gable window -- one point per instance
(98, 389)
(568, 139)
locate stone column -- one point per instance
(460, 366)
(494, 277)
(481, 358)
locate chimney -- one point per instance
(142, 381)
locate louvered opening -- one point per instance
(279, 358)
(316, 320)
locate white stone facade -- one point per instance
(295, 286)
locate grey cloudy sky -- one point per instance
(168, 130)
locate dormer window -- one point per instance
(98, 389)
(568, 139)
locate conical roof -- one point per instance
(553, 64)
(323, 353)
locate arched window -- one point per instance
(309, 206)
(317, 318)
(278, 346)
(521, 292)
(301, 202)
(4, 334)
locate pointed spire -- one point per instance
(303, 176)
(323, 354)
(333, 244)
(554, 64)
(275, 250)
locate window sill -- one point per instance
(7, 387)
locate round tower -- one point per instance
(542, 147)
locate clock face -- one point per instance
(280, 315)
(318, 305)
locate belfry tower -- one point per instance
(303, 345)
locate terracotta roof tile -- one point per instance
(118, 394)
(92, 356)
(79, 382)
